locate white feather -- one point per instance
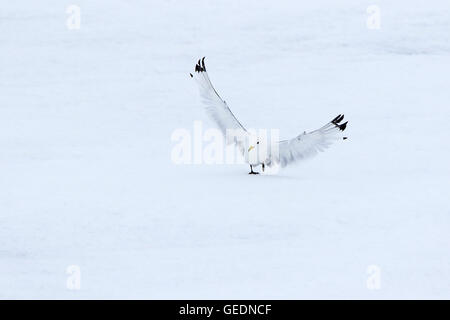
(218, 110)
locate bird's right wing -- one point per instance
(217, 108)
(308, 144)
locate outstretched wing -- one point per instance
(217, 108)
(308, 144)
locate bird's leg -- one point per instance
(251, 170)
(263, 166)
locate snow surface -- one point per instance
(86, 118)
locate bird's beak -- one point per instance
(251, 147)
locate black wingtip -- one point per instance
(338, 119)
(191, 75)
(334, 120)
(343, 126)
(203, 63)
(200, 66)
(345, 138)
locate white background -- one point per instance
(86, 118)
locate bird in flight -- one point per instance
(254, 148)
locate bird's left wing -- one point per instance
(308, 144)
(216, 107)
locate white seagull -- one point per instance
(304, 145)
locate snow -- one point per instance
(86, 118)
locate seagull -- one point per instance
(284, 152)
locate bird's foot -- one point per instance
(251, 170)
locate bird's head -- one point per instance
(253, 146)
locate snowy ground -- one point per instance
(86, 118)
